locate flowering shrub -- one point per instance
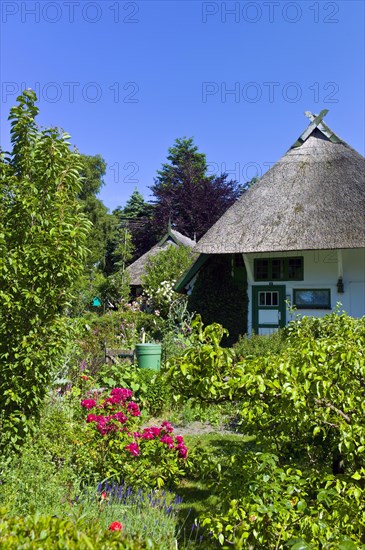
(115, 445)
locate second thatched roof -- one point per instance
(172, 238)
(312, 198)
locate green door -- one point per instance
(268, 308)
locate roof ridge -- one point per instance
(316, 123)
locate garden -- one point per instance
(260, 445)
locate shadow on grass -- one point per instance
(201, 496)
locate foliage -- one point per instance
(186, 195)
(258, 345)
(45, 479)
(150, 388)
(303, 486)
(266, 505)
(89, 286)
(320, 380)
(112, 446)
(162, 271)
(136, 218)
(92, 171)
(115, 289)
(205, 369)
(116, 329)
(42, 252)
(123, 252)
(220, 296)
(49, 533)
(135, 207)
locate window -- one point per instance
(312, 299)
(279, 269)
(270, 298)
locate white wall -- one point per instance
(322, 269)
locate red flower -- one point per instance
(84, 377)
(103, 495)
(115, 526)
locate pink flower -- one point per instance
(179, 439)
(91, 418)
(115, 526)
(121, 417)
(148, 434)
(133, 449)
(88, 403)
(183, 451)
(121, 393)
(167, 427)
(168, 440)
(137, 435)
(111, 401)
(133, 409)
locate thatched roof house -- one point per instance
(137, 269)
(312, 199)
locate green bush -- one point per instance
(205, 369)
(162, 272)
(44, 477)
(258, 345)
(52, 533)
(303, 486)
(265, 504)
(150, 388)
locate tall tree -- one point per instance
(42, 252)
(135, 217)
(185, 194)
(136, 207)
(92, 173)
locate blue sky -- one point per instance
(126, 78)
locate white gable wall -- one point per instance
(322, 269)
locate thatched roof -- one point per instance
(312, 198)
(171, 238)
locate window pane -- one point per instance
(268, 298)
(275, 298)
(295, 268)
(277, 272)
(262, 269)
(262, 298)
(312, 299)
